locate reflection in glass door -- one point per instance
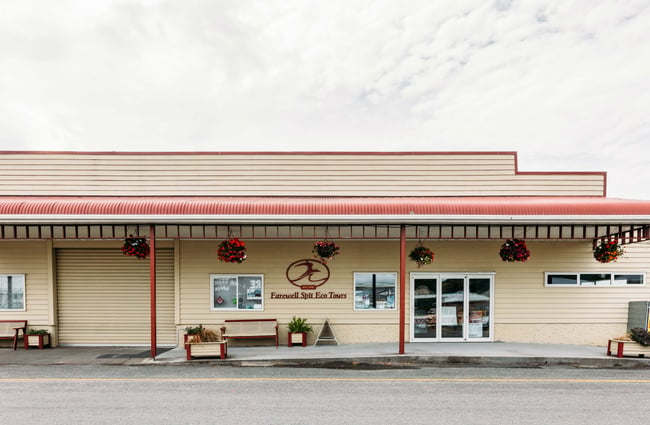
(451, 307)
(424, 307)
(479, 308)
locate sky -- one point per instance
(566, 84)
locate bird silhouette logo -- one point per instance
(308, 273)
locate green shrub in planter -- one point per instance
(297, 325)
(640, 336)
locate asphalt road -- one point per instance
(252, 395)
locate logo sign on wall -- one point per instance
(308, 273)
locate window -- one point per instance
(12, 292)
(237, 292)
(374, 291)
(628, 279)
(561, 279)
(594, 279)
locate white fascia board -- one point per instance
(325, 219)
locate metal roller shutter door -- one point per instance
(103, 297)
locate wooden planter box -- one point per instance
(207, 349)
(299, 338)
(39, 341)
(627, 348)
(186, 337)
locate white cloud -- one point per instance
(564, 83)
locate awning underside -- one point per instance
(624, 234)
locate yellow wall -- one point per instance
(524, 309)
(31, 258)
(219, 174)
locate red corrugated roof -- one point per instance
(349, 206)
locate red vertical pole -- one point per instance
(152, 287)
(402, 286)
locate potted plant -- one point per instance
(192, 333)
(514, 250)
(37, 338)
(298, 328)
(607, 252)
(135, 246)
(421, 255)
(326, 250)
(205, 342)
(232, 251)
(635, 343)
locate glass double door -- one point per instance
(451, 307)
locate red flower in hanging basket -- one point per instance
(608, 251)
(421, 255)
(135, 246)
(325, 250)
(232, 251)
(514, 250)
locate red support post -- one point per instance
(152, 286)
(402, 286)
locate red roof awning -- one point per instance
(331, 208)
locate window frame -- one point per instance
(238, 285)
(601, 284)
(22, 279)
(354, 289)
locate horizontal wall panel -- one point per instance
(215, 174)
(31, 259)
(520, 296)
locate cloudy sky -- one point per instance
(564, 83)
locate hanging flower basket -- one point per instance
(421, 255)
(135, 246)
(325, 250)
(232, 251)
(514, 250)
(608, 251)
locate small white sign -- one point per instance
(448, 316)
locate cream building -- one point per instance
(64, 217)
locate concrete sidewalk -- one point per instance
(382, 355)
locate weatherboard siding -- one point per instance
(521, 301)
(31, 259)
(524, 309)
(207, 174)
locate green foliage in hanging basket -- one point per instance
(135, 246)
(421, 255)
(325, 250)
(514, 250)
(232, 251)
(608, 251)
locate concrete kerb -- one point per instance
(372, 356)
(418, 361)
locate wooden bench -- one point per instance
(11, 329)
(250, 328)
